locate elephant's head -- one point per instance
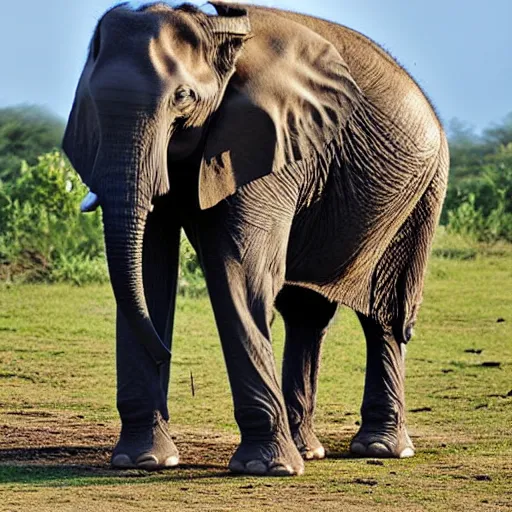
(152, 78)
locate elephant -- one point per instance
(308, 170)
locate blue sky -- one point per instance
(458, 50)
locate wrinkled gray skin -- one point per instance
(307, 169)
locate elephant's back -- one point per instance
(384, 83)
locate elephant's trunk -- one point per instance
(124, 236)
(125, 193)
(129, 172)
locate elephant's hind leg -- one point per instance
(383, 432)
(306, 315)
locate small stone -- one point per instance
(375, 462)
(365, 481)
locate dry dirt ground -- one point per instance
(58, 421)
(57, 440)
(60, 462)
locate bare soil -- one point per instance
(43, 438)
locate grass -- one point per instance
(58, 419)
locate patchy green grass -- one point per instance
(58, 419)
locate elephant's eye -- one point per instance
(184, 96)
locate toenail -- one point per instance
(378, 450)
(147, 462)
(358, 448)
(407, 452)
(236, 466)
(309, 455)
(281, 470)
(171, 461)
(256, 467)
(319, 452)
(122, 461)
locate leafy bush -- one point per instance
(45, 237)
(41, 227)
(481, 208)
(80, 269)
(191, 280)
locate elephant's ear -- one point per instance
(291, 95)
(81, 138)
(240, 148)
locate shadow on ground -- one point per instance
(76, 465)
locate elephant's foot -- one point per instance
(147, 447)
(382, 442)
(270, 458)
(308, 444)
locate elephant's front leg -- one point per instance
(242, 291)
(383, 432)
(145, 441)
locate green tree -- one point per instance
(499, 134)
(25, 133)
(482, 207)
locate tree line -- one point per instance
(43, 236)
